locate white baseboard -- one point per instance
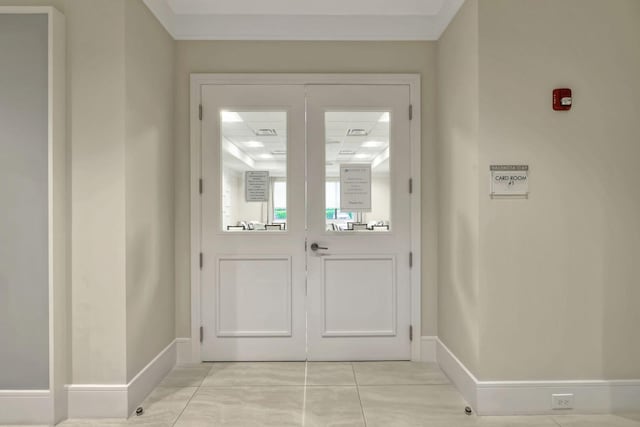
(459, 375)
(534, 397)
(25, 407)
(184, 351)
(625, 397)
(150, 376)
(97, 401)
(428, 346)
(120, 400)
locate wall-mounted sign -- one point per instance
(256, 186)
(509, 180)
(355, 187)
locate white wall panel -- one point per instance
(24, 263)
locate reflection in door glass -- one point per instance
(254, 170)
(357, 180)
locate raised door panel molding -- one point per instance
(253, 297)
(359, 296)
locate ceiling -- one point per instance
(305, 19)
(351, 137)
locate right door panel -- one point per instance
(358, 222)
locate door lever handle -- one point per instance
(315, 247)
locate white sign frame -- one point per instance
(355, 187)
(509, 180)
(256, 186)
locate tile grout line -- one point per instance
(304, 392)
(556, 422)
(191, 398)
(185, 407)
(355, 380)
(406, 385)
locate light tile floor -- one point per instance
(385, 394)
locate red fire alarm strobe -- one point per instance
(562, 99)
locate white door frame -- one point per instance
(199, 80)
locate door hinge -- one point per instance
(201, 333)
(200, 111)
(410, 185)
(410, 259)
(410, 112)
(410, 332)
(201, 186)
(201, 260)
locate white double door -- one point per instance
(306, 222)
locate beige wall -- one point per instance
(541, 288)
(149, 59)
(559, 278)
(457, 80)
(304, 57)
(96, 70)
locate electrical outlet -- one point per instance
(562, 401)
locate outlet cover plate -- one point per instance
(562, 401)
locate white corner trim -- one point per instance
(25, 407)
(534, 397)
(429, 345)
(119, 400)
(184, 355)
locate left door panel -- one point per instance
(253, 223)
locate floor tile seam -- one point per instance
(556, 422)
(332, 385)
(277, 388)
(271, 385)
(254, 386)
(164, 387)
(406, 385)
(185, 406)
(355, 379)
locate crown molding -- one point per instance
(365, 27)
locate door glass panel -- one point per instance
(357, 180)
(254, 171)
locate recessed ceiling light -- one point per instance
(357, 132)
(384, 118)
(266, 132)
(347, 152)
(265, 156)
(372, 144)
(279, 152)
(254, 144)
(230, 117)
(361, 156)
